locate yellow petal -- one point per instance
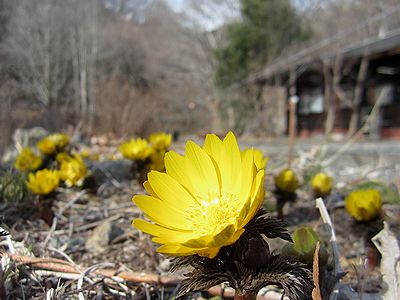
(213, 146)
(248, 174)
(176, 249)
(162, 235)
(257, 198)
(203, 175)
(176, 167)
(170, 191)
(230, 165)
(159, 212)
(209, 252)
(149, 189)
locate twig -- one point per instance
(71, 202)
(327, 220)
(63, 269)
(63, 254)
(316, 293)
(335, 251)
(51, 231)
(62, 266)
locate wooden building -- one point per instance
(342, 87)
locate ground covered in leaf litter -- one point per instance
(92, 231)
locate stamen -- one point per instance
(215, 213)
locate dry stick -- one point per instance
(335, 251)
(63, 269)
(71, 202)
(316, 293)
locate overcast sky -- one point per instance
(212, 15)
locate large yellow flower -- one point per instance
(204, 199)
(322, 184)
(53, 143)
(287, 181)
(137, 149)
(160, 140)
(27, 160)
(364, 205)
(259, 159)
(73, 171)
(43, 182)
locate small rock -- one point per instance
(101, 237)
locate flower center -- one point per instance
(214, 214)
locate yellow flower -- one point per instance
(85, 153)
(43, 182)
(52, 143)
(27, 160)
(203, 200)
(287, 181)
(259, 159)
(73, 171)
(60, 157)
(160, 140)
(157, 161)
(137, 149)
(322, 184)
(364, 205)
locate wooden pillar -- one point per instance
(293, 100)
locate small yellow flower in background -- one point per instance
(112, 157)
(63, 156)
(157, 161)
(160, 140)
(43, 182)
(322, 184)
(27, 160)
(84, 153)
(259, 159)
(287, 181)
(136, 149)
(203, 200)
(52, 143)
(73, 171)
(364, 205)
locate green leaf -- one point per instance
(305, 239)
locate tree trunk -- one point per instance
(358, 92)
(328, 99)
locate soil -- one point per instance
(78, 214)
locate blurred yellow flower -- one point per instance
(160, 140)
(157, 161)
(322, 184)
(52, 143)
(259, 159)
(73, 171)
(136, 149)
(43, 182)
(287, 181)
(27, 160)
(364, 205)
(203, 200)
(60, 157)
(85, 153)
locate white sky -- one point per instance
(213, 15)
